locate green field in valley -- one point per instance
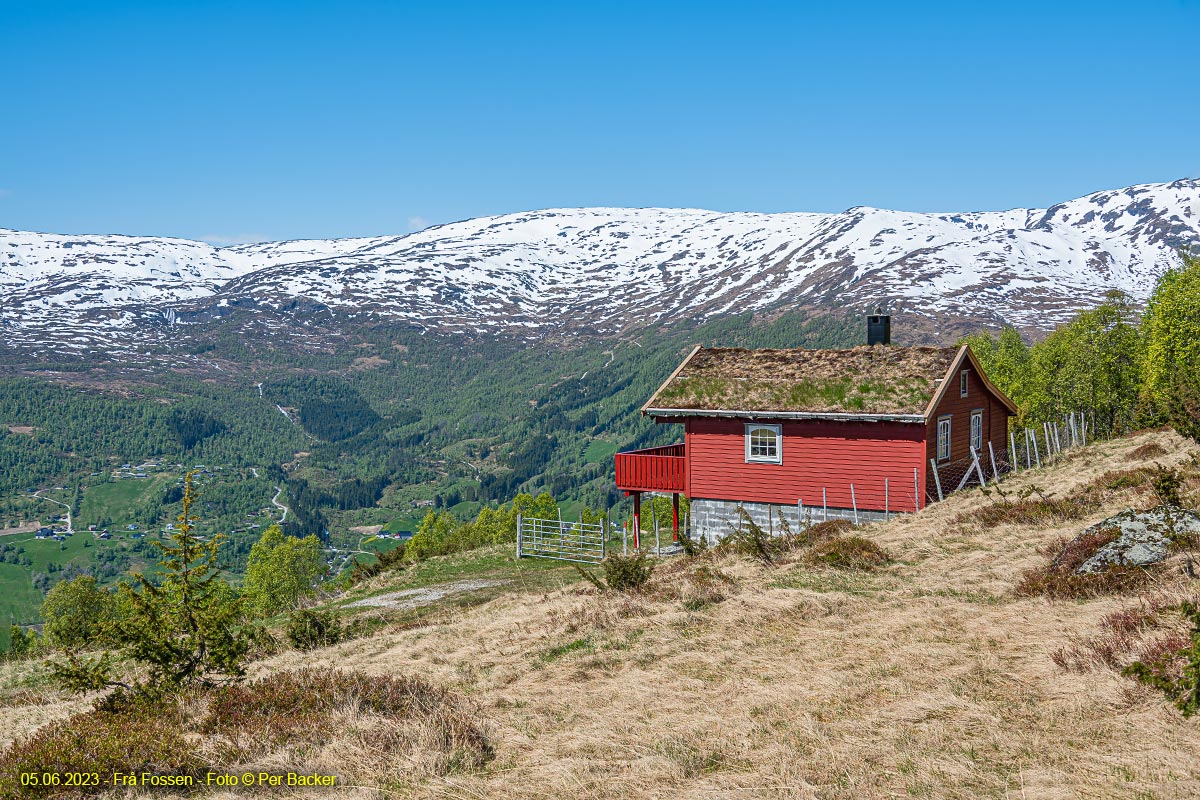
(115, 500)
(599, 451)
(20, 598)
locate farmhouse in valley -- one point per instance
(839, 433)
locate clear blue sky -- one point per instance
(255, 120)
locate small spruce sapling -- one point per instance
(190, 628)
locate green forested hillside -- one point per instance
(372, 433)
(375, 428)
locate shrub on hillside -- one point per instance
(298, 706)
(281, 570)
(308, 629)
(1029, 511)
(1064, 585)
(390, 559)
(830, 529)
(1149, 631)
(76, 613)
(1170, 389)
(1175, 670)
(1166, 483)
(1116, 480)
(849, 552)
(747, 537)
(186, 628)
(22, 643)
(442, 534)
(1147, 451)
(135, 738)
(627, 573)
(704, 586)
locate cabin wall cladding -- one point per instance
(716, 518)
(819, 458)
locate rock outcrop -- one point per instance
(1143, 537)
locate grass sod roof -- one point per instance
(862, 380)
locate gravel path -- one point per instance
(414, 598)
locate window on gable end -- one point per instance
(943, 438)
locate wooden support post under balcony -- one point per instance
(675, 517)
(637, 520)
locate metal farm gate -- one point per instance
(554, 538)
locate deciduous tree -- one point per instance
(281, 570)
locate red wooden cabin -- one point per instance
(850, 432)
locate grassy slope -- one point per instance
(114, 500)
(929, 678)
(18, 597)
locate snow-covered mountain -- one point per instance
(602, 270)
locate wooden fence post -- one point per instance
(886, 512)
(1012, 451)
(978, 469)
(937, 479)
(1037, 455)
(992, 455)
(824, 507)
(854, 503)
(916, 490)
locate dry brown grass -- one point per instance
(928, 677)
(1148, 450)
(363, 728)
(1145, 631)
(1031, 511)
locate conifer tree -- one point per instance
(188, 628)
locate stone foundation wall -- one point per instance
(715, 518)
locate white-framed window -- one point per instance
(962, 382)
(764, 444)
(977, 430)
(943, 438)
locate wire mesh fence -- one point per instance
(1027, 448)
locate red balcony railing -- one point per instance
(655, 469)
